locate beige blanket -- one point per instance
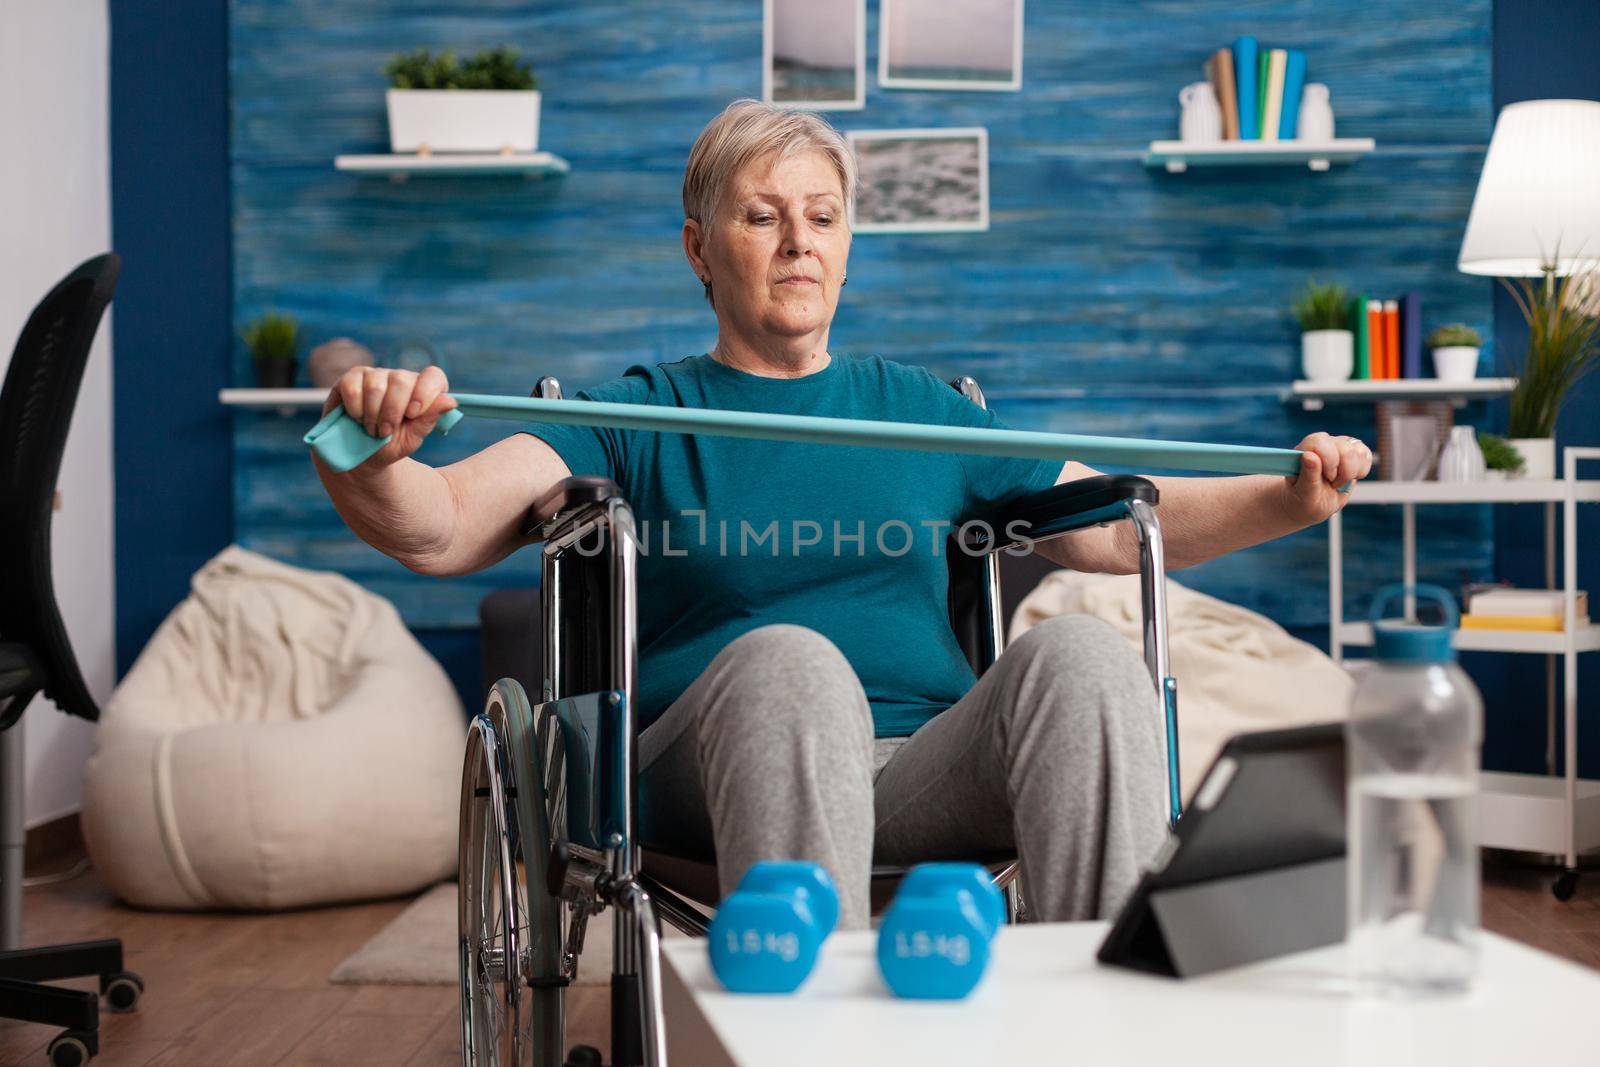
(1237, 671)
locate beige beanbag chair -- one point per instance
(1237, 671)
(282, 740)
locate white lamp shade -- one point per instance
(1539, 192)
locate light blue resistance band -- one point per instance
(343, 443)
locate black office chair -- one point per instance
(36, 403)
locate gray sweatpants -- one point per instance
(1056, 752)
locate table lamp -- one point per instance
(1537, 208)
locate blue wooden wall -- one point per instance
(1105, 298)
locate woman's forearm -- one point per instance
(406, 510)
(1203, 518)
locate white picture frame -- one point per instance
(899, 162)
(909, 58)
(784, 33)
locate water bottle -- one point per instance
(1414, 739)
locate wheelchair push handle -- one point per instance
(343, 443)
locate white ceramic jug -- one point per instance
(1316, 114)
(1201, 118)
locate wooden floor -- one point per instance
(252, 990)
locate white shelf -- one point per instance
(273, 398)
(1510, 491)
(1528, 812)
(1312, 395)
(405, 164)
(1550, 642)
(1179, 156)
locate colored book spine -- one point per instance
(1244, 68)
(1358, 328)
(1378, 360)
(1222, 78)
(1262, 62)
(1274, 107)
(1391, 336)
(1294, 83)
(1411, 335)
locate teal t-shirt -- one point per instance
(735, 534)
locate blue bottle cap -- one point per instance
(1399, 641)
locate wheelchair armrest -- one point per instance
(1058, 510)
(566, 495)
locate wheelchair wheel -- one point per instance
(511, 930)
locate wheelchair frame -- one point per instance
(547, 803)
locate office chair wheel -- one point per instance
(510, 928)
(70, 1049)
(584, 1056)
(122, 991)
(1566, 884)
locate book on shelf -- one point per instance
(1535, 623)
(1360, 342)
(1377, 358)
(1391, 336)
(1294, 83)
(1263, 58)
(1411, 335)
(1244, 66)
(1529, 602)
(1272, 110)
(1219, 69)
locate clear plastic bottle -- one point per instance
(1415, 738)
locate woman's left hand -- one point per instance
(1327, 463)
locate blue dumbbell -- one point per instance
(934, 941)
(766, 935)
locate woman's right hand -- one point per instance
(399, 402)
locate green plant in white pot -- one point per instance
(1502, 460)
(1455, 352)
(488, 103)
(1563, 346)
(1327, 347)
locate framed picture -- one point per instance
(814, 54)
(950, 44)
(921, 181)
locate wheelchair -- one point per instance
(547, 828)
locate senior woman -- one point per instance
(801, 692)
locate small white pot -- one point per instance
(1538, 456)
(1327, 355)
(463, 120)
(1455, 363)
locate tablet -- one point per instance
(1254, 868)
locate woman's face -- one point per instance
(777, 250)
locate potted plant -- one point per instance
(1455, 352)
(1327, 348)
(490, 103)
(274, 342)
(1563, 346)
(1502, 460)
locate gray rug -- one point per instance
(419, 947)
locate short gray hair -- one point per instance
(746, 131)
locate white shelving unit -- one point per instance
(1313, 395)
(273, 398)
(1532, 813)
(1179, 156)
(403, 165)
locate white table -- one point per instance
(1046, 1001)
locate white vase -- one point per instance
(1200, 121)
(1538, 456)
(1327, 355)
(1462, 459)
(1455, 363)
(463, 120)
(1316, 114)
